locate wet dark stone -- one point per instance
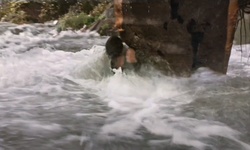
(186, 32)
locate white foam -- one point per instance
(239, 61)
(31, 127)
(151, 101)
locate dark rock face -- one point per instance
(33, 10)
(176, 35)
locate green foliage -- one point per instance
(75, 21)
(104, 29)
(49, 11)
(73, 14)
(12, 12)
(18, 18)
(78, 16)
(99, 9)
(4, 10)
(85, 7)
(41, 11)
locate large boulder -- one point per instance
(178, 36)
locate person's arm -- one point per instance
(130, 56)
(117, 62)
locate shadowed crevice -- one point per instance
(174, 4)
(196, 38)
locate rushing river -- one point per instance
(57, 93)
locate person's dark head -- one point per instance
(114, 47)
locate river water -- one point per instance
(57, 93)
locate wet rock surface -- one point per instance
(177, 35)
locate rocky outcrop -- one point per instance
(178, 36)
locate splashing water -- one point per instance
(57, 92)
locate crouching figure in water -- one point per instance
(120, 55)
